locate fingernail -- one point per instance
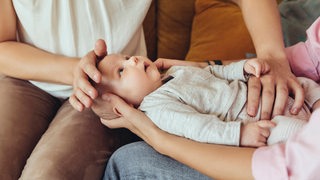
(79, 108)
(294, 110)
(91, 93)
(95, 77)
(251, 111)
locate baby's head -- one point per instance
(130, 77)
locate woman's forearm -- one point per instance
(26, 62)
(216, 161)
(263, 22)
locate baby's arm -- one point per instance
(164, 64)
(183, 120)
(256, 67)
(255, 134)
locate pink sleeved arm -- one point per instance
(298, 158)
(304, 57)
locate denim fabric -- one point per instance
(140, 161)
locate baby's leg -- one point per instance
(298, 158)
(286, 126)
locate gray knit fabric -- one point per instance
(286, 126)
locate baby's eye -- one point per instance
(127, 57)
(120, 71)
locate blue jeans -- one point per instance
(140, 161)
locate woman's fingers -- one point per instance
(299, 96)
(86, 70)
(268, 96)
(254, 91)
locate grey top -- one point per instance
(206, 105)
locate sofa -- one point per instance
(196, 30)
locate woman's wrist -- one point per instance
(157, 138)
(272, 54)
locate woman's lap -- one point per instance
(73, 145)
(140, 161)
(20, 128)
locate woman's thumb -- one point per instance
(100, 48)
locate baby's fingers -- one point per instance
(258, 68)
(262, 141)
(266, 124)
(265, 68)
(265, 132)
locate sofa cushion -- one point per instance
(218, 32)
(150, 31)
(174, 22)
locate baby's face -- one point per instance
(130, 77)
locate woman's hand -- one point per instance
(130, 118)
(275, 88)
(86, 70)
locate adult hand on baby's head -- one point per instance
(130, 118)
(83, 92)
(104, 109)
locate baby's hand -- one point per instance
(255, 134)
(316, 105)
(256, 67)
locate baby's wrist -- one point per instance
(214, 62)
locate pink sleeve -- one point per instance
(304, 58)
(298, 158)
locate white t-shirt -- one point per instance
(71, 28)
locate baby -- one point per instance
(204, 104)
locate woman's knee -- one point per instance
(130, 161)
(140, 161)
(130, 156)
